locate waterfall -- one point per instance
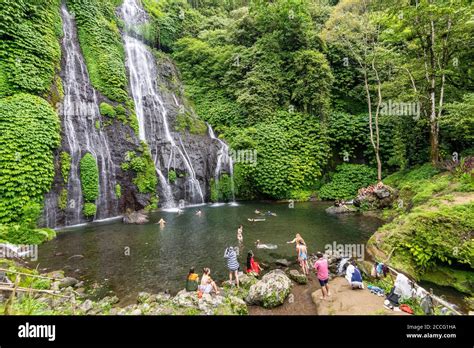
(223, 158)
(151, 111)
(79, 114)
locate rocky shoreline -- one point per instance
(60, 294)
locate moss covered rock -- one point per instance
(271, 290)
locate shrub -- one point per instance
(89, 209)
(347, 180)
(107, 110)
(89, 178)
(65, 159)
(30, 52)
(102, 46)
(172, 176)
(118, 191)
(29, 132)
(62, 199)
(222, 190)
(434, 237)
(144, 169)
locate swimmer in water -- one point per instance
(264, 246)
(161, 223)
(198, 213)
(240, 236)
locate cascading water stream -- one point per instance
(79, 114)
(150, 109)
(223, 158)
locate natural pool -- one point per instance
(159, 259)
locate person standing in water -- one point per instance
(161, 223)
(303, 256)
(322, 272)
(232, 263)
(240, 236)
(297, 239)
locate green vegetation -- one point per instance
(29, 46)
(65, 159)
(29, 127)
(434, 228)
(172, 176)
(101, 45)
(221, 191)
(89, 178)
(62, 199)
(25, 232)
(143, 167)
(347, 180)
(89, 209)
(29, 132)
(107, 110)
(118, 191)
(186, 121)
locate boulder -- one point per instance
(86, 306)
(135, 217)
(271, 290)
(376, 197)
(245, 281)
(186, 299)
(137, 311)
(67, 282)
(55, 274)
(341, 210)
(283, 262)
(298, 277)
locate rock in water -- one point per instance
(340, 210)
(67, 282)
(135, 217)
(298, 277)
(283, 262)
(271, 290)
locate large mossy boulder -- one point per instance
(376, 197)
(135, 217)
(298, 277)
(341, 210)
(271, 290)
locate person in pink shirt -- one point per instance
(322, 272)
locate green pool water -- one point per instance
(127, 259)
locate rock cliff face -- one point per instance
(84, 130)
(184, 154)
(199, 150)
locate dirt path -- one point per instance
(302, 305)
(343, 301)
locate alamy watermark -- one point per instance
(395, 108)
(244, 156)
(355, 251)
